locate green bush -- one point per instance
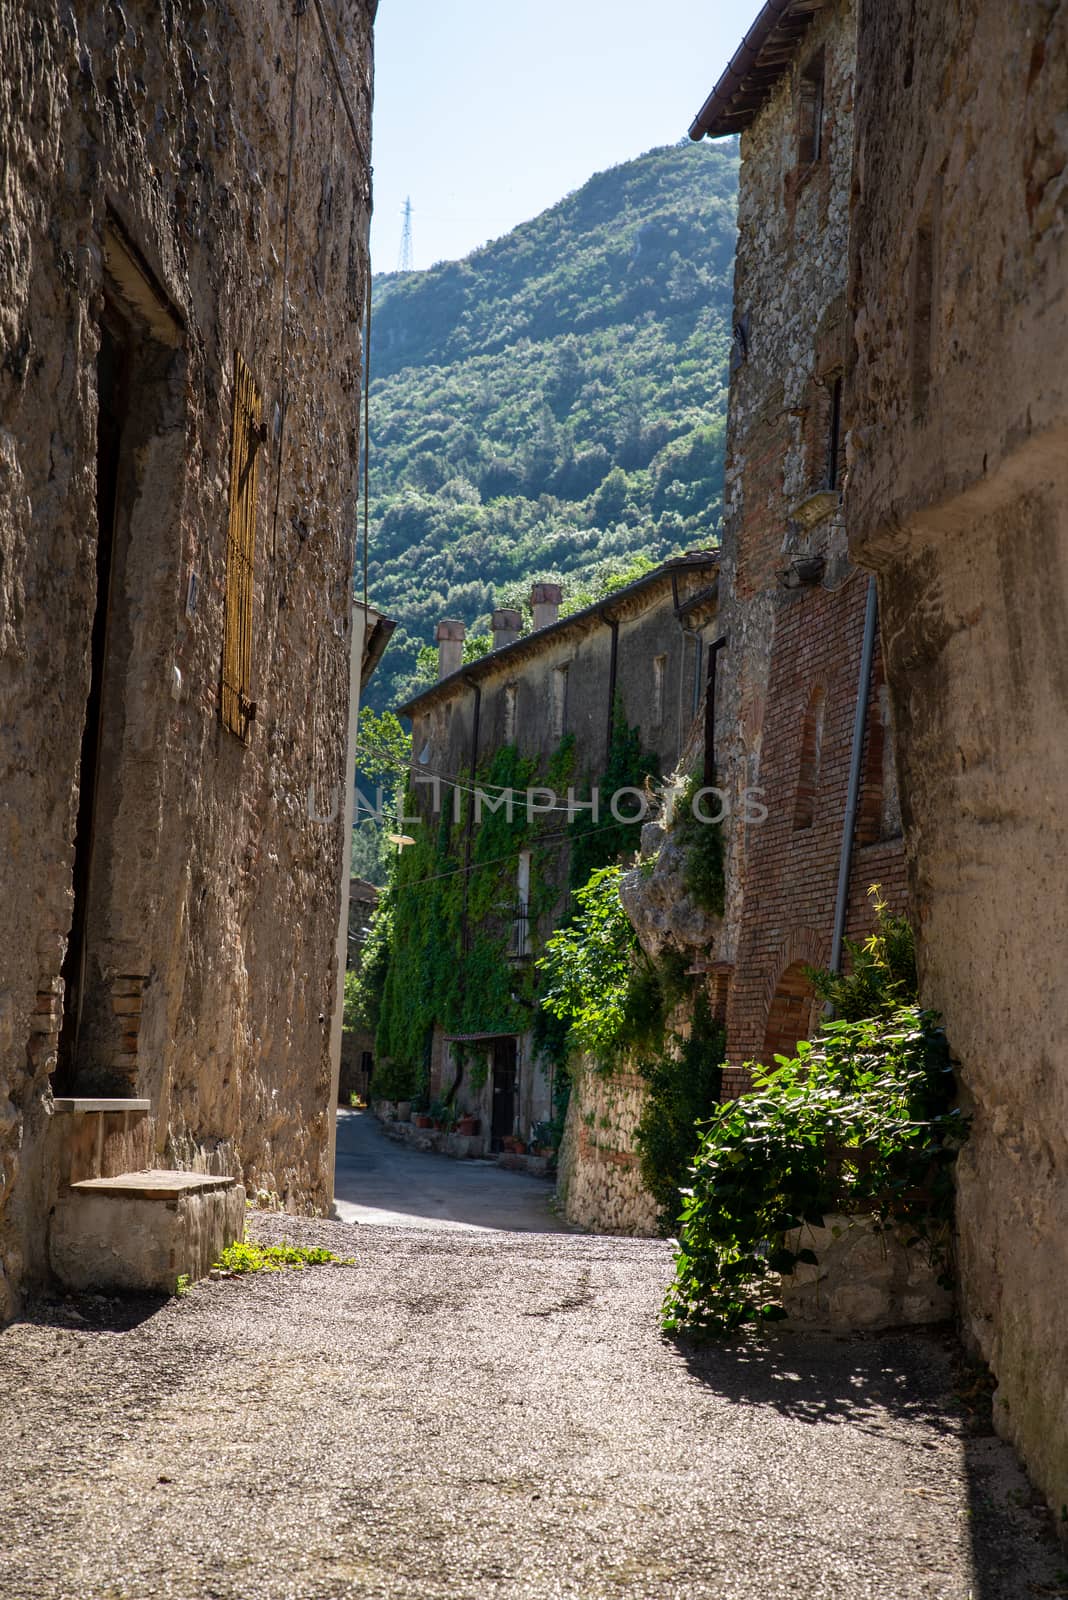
(861, 1123)
(702, 843)
(597, 979)
(683, 1089)
(882, 973)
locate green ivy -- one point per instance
(861, 1123)
(598, 981)
(449, 929)
(702, 844)
(683, 1085)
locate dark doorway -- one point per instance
(112, 409)
(505, 1072)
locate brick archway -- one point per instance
(791, 1015)
(791, 1006)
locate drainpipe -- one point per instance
(709, 774)
(468, 836)
(853, 793)
(470, 827)
(613, 669)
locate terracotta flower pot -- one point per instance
(468, 1126)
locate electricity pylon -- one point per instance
(405, 262)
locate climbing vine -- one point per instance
(683, 1084)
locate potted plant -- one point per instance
(468, 1125)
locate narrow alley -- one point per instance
(381, 1182)
(486, 1413)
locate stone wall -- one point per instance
(793, 605)
(599, 1185)
(158, 202)
(959, 498)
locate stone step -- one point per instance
(141, 1231)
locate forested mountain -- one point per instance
(553, 405)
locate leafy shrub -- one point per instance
(683, 1088)
(861, 1123)
(882, 973)
(702, 843)
(597, 979)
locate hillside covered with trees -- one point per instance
(552, 406)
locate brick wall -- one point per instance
(794, 606)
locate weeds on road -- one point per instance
(246, 1255)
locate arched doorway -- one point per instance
(791, 1015)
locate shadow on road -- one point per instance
(886, 1385)
(94, 1313)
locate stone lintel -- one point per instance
(78, 1105)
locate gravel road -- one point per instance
(487, 1415)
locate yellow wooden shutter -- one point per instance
(237, 709)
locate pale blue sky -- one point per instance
(487, 111)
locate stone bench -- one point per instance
(143, 1230)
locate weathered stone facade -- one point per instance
(958, 497)
(599, 1183)
(643, 651)
(181, 187)
(794, 607)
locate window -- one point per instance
(659, 677)
(511, 694)
(559, 707)
(808, 775)
(833, 477)
(521, 917)
(810, 112)
(237, 708)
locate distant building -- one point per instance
(357, 1044)
(540, 714)
(802, 714)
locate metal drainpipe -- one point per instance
(470, 827)
(853, 793)
(613, 668)
(468, 832)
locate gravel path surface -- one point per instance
(475, 1414)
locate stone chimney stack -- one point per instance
(450, 637)
(545, 603)
(506, 625)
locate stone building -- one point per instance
(183, 260)
(551, 702)
(357, 1044)
(958, 499)
(802, 716)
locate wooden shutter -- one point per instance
(237, 709)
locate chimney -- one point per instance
(545, 603)
(450, 637)
(506, 625)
